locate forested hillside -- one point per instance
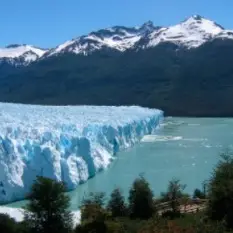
(181, 81)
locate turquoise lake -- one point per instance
(183, 148)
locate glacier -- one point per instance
(65, 143)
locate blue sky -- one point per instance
(46, 23)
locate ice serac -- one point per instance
(68, 143)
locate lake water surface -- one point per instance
(183, 148)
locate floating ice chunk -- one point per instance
(159, 138)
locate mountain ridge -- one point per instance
(186, 75)
(190, 33)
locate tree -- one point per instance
(198, 194)
(116, 204)
(94, 198)
(93, 214)
(220, 191)
(92, 207)
(185, 200)
(8, 224)
(173, 194)
(47, 210)
(141, 204)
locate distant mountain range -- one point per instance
(184, 69)
(190, 33)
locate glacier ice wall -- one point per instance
(68, 143)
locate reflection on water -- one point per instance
(185, 148)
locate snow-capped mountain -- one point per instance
(190, 33)
(20, 54)
(118, 38)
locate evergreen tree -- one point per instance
(220, 191)
(47, 211)
(141, 203)
(116, 204)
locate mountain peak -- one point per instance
(201, 20)
(197, 17)
(12, 46)
(148, 24)
(148, 27)
(194, 18)
(190, 33)
(21, 54)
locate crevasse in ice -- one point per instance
(68, 143)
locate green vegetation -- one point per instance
(174, 195)
(194, 82)
(8, 224)
(174, 212)
(116, 204)
(141, 204)
(221, 192)
(93, 208)
(47, 210)
(199, 194)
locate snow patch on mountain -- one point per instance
(21, 54)
(190, 33)
(117, 38)
(226, 34)
(17, 51)
(65, 143)
(61, 47)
